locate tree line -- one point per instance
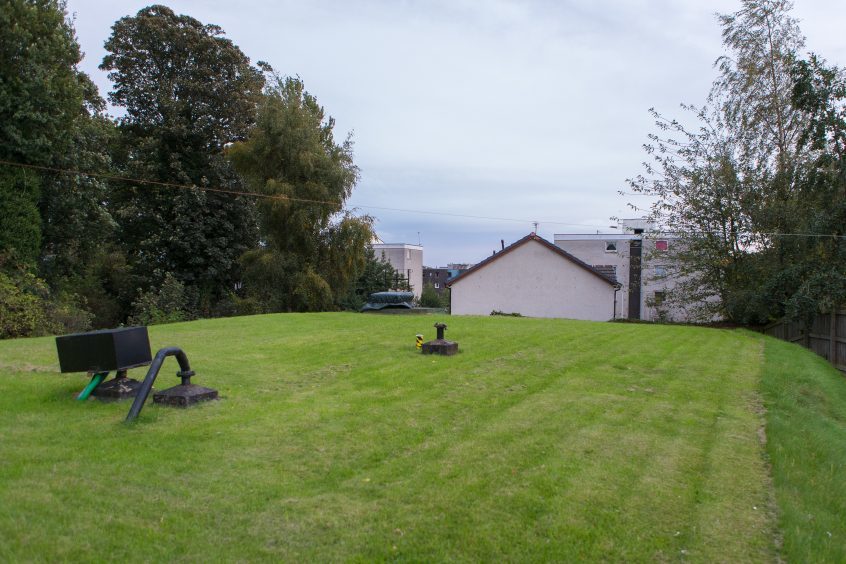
(220, 190)
(755, 189)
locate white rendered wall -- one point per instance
(593, 252)
(406, 259)
(534, 281)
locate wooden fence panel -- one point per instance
(840, 340)
(826, 336)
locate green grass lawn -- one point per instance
(806, 423)
(335, 440)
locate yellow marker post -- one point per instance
(419, 341)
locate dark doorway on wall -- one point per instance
(635, 253)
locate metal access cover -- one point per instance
(104, 350)
(383, 300)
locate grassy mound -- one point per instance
(806, 423)
(334, 439)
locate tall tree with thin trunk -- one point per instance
(753, 90)
(730, 189)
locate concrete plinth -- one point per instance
(440, 346)
(184, 395)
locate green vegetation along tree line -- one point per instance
(756, 191)
(201, 126)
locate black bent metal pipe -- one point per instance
(155, 366)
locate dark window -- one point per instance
(659, 298)
(611, 246)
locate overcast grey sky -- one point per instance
(517, 110)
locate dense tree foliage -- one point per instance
(41, 98)
(141, 219)
(750, 193)
(76, 222)
(187, 92)
(820, 91)
(313, 249)
(46, 120)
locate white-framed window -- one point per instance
(662, 245)
(610, 246)
(437, 285)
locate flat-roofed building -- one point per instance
(407, 259)
(639, 257)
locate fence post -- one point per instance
(832, 338)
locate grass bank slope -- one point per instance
(806, 425)
(335, 440)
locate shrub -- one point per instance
(312, 292)
(232, 305)
(429, 297)
(22, 312)
(69, 313)
(166, 304)
(27, 308)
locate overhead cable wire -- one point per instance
(283, 197)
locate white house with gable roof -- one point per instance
(535, 278)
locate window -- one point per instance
(658, 299)
(660, 272)
(662, 245)
(437, 285)
(610, 246)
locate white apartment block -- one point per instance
(638, 255)
(406, 259)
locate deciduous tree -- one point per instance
(41, 97)
(315, 247)
(819, 259)
(187, 91)
(730, 190)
